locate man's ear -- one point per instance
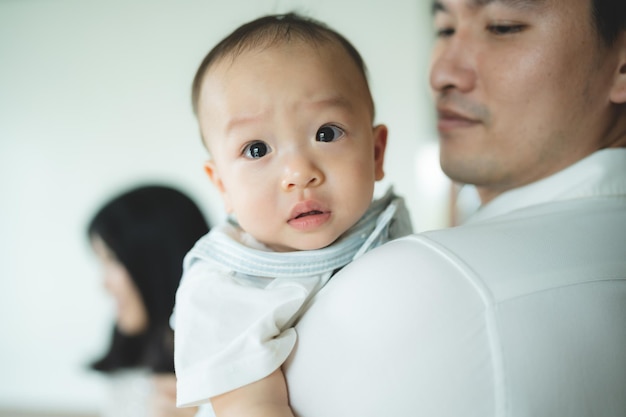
(380, 144)
(618, 91)
(211, 170)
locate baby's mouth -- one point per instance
(308, 213)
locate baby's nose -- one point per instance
(301, 172)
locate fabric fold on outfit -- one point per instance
(238, 299)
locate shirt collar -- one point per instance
(601, 174)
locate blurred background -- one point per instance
(95, 98)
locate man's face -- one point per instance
(294, 153)
(521, 89)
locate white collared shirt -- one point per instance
(600, 174)
(520, 312)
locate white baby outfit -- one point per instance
(238, 300)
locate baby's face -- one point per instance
(293, 150)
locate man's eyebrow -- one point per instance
(438, 5)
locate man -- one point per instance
(522, 310)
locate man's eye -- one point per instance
(505, 29)
(328, 133)
(256, 150)
(445, 32)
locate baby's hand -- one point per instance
(264, 398)
(163, 401)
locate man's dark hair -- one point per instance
(609, 18)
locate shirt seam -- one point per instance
(490, 305)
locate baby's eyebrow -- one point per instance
(242, 120)
(246, 119)
(438, 5)
(334, 101)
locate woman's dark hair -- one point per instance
(273, 30)
(609, 18)
(149, 229)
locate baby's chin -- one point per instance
(304, 244)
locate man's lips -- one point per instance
(449, 119)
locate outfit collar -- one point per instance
(601, 174)
(236, 250)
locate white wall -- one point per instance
(94, 97)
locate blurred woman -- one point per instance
(140, 239)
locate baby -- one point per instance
(285, 110)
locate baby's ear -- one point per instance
(211, 169)
(618, 92)
(380, 144)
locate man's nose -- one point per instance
(453, 64)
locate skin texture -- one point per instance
(131, 315)
(296, 93)
(295, 158)
(523, 90)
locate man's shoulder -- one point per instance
(529, 250)
(437, 311)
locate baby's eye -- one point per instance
(328, 133)
(256, 150)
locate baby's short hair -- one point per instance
(273, 30)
